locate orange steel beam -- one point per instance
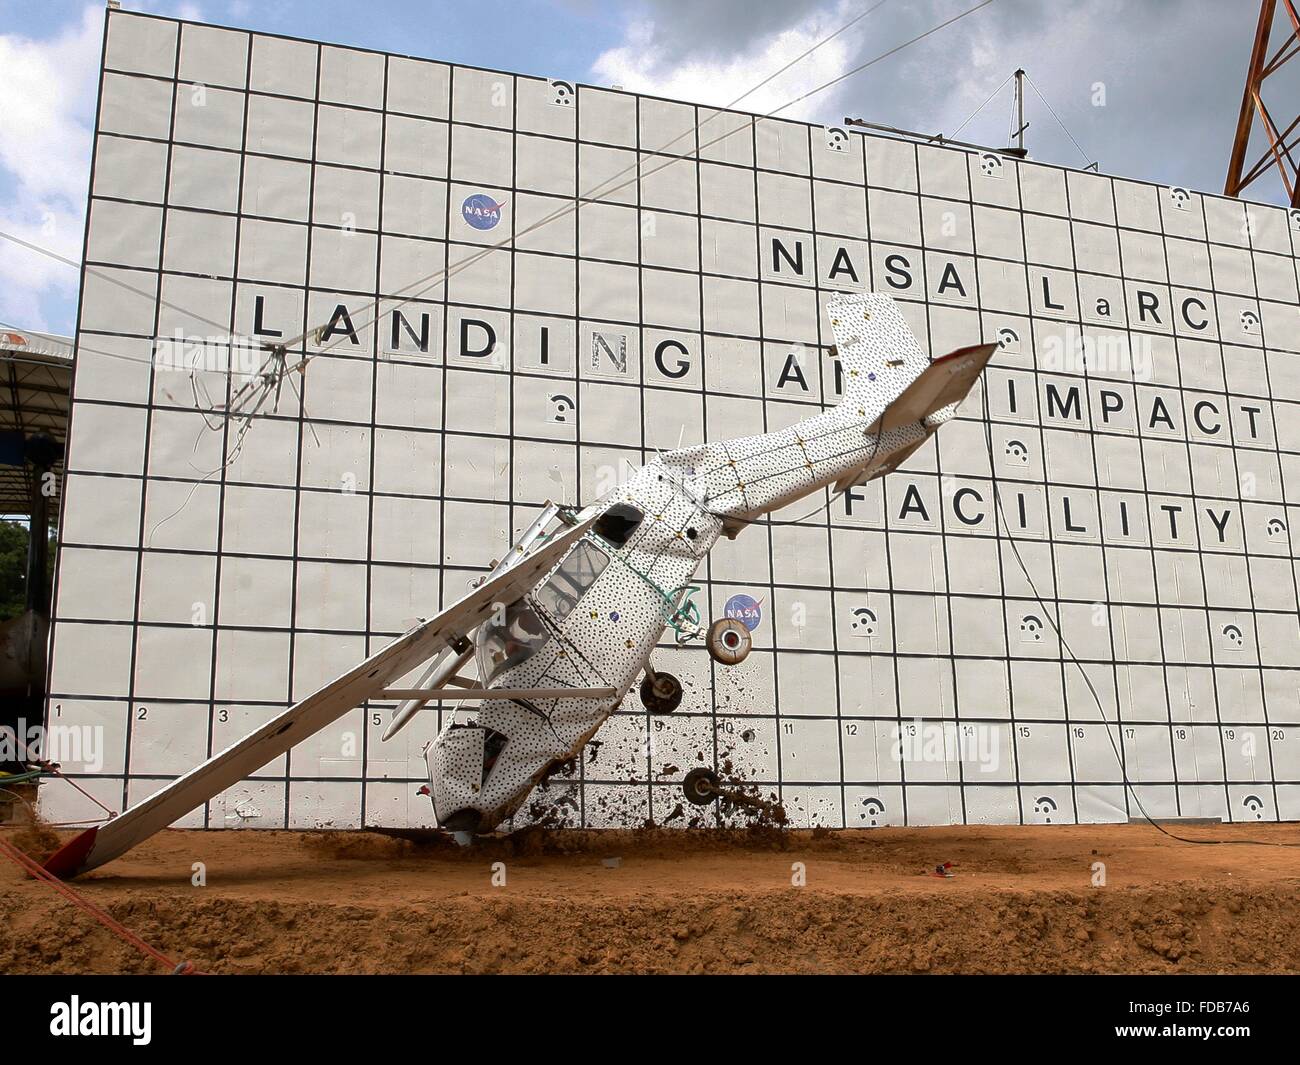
(1279, 151)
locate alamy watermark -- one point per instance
(947, 741)
(1106, 353)
(186, 353)
(76, 747)
(133, 1020)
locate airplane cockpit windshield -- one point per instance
(578, 572)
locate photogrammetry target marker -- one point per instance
(925, 549)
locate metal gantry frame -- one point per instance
(1282, 143)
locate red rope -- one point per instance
(28, 863)
(54, 770)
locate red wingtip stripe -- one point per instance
(66, 862)
(960, 352)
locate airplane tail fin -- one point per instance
(879, 362)
(878, 353)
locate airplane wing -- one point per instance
(944, 382)
(102, 843)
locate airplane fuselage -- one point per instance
(596, 618)
(580, 609)
(593, 622)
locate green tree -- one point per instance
(13, 568)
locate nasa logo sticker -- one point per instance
(745, 609)
(481, 212)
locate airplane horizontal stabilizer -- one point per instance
(944, 382)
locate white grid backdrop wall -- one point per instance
(262, 183)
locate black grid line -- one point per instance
(901, 592)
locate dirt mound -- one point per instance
(773, 932)
(35, 840)
(1052, 899)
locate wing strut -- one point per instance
(442, 669)
(104, 842)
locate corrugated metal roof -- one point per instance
(35, 386)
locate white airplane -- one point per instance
(566, 623)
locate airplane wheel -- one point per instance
(661, 693)
(729, 642)
(700, 786)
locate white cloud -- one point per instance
(1172, 72)
(645, 62)
(47, 102)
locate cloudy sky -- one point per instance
(1148, 88)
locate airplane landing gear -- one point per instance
(729, 641)
(700, 786)
(661, 693)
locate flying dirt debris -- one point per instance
(562, 627)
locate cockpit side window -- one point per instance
(493, 744)
(578, 572)
(507, 638)
(618, 523)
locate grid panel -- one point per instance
(1125, 476)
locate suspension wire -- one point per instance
(272, 378)
(1091, 163)
(1078, 664)
(884, 55)
(153, 297)
(980, 108)
(600, 190)
(596, 191)
(423, 285)
(438, 277)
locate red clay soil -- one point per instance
(1022, 901)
